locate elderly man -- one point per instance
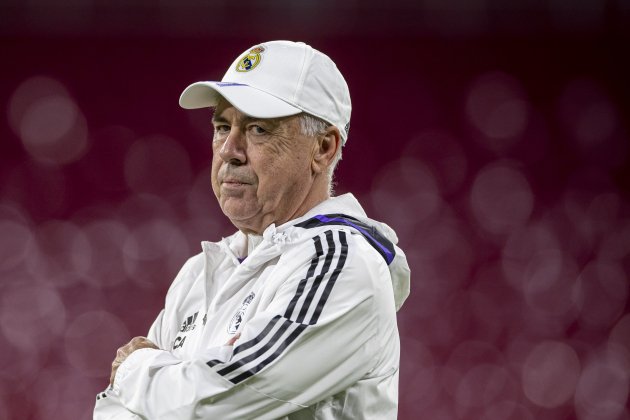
(294, 315)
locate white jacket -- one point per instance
(315, 304)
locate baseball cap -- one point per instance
(277, 79)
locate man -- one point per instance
(294, 315)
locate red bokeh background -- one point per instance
(493, 138)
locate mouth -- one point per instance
(234, 182)
(234, 185)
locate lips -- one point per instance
(234, 182)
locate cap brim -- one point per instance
(247, 99)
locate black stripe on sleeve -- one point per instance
(311, 270)
(251, 343)
(240, 362)
(311, 294)
(333, 278)
(300, 328)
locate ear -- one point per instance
(326, 149)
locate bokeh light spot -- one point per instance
(67, 398)
(106, 236)
(591, 123)
(523, 247)
(157, 165)
(417, 359)
(550, 374)
(481, 385)
(16, 244)
(444, 155)
(465, 357)
(496, 106)
(548, 285)
(501, 198)
(406, 192)
(602, 390)
(88, 341)
(601, 293)
(51, 126)
(587, 113)
(64, 254)
(616, 244)
(620, 334)
(31, 317)
(48, 120)
(19, 366)
(27, 93)
(155, 240)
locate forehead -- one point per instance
(226, 111)
(223, 106)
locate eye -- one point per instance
(257, 130)
(221, 128)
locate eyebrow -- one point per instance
(219, 119)
(247, 119)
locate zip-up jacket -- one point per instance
(314, 301)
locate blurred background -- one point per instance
(493, 136)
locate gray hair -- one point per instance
(313, 126)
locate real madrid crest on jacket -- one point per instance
(238, 316)
(332, 276)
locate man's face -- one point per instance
(261, 168)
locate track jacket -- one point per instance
(314, 301)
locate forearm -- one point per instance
(156, 384)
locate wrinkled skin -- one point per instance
(265, 171)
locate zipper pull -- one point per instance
(280, 238)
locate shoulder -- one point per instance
(339, 249)
(352, 235)
(363, 256)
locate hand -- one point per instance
(122, 353)
(233, 340)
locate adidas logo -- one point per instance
(189, 323)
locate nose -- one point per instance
(233, 149)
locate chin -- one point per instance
(238, 215)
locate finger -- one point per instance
(113, 375)
(123, 352)
(233, 339)
(141, 343)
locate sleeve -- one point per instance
(108, 405)
(315, 339)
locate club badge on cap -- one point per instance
(251, 60)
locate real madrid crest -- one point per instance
(237, 319)
(250, 60)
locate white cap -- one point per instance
(278, 79)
